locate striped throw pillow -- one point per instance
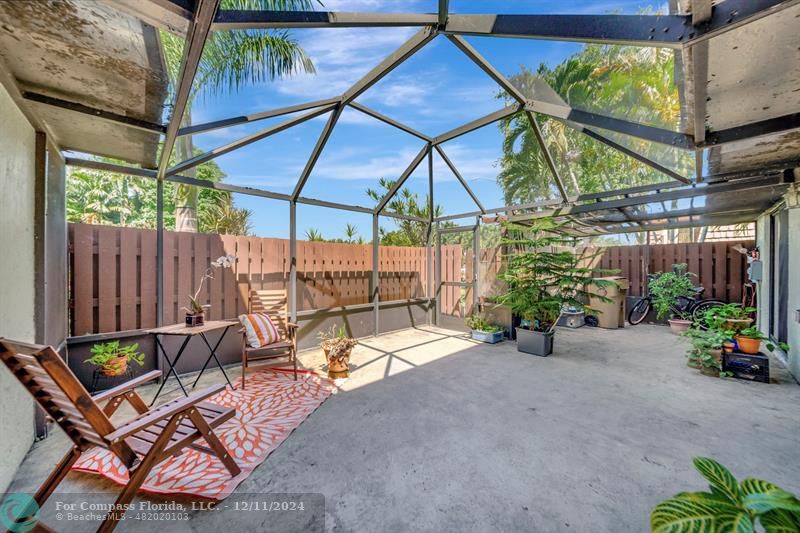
(259, 329)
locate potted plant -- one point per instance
(667, 289)
(112, 359)
(749, 341)
(706, 351)
(337, 347)
(541, 279)
(195, 313)
(732, 317)
(484, 331)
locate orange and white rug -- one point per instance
(271, 407)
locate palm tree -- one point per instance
(231, 60)
(314, 235)
(351, 233)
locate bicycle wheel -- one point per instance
(639, 311)
(699, 309)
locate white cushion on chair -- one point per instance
(259, 329)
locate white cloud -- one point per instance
(362, 164)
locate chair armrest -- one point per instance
(127, 386)
(292, 325)
(161, 412)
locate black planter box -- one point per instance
(746, 366)
(535, 342)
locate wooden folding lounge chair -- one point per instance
(153, 436)
(272, 303)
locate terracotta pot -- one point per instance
(748, 345)
(738, 324)
(338, 367)
(709, 371)
(115, 367)
(678, 325)
(728, 347)
(716, 354)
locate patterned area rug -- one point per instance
(271, 407)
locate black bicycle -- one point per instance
(695, 306)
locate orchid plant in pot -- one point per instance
(338, 346)
(195, 312)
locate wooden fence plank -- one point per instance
(107, 260)
(82, 279)
(128, 283)
(147, 279)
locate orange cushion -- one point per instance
(259, 329)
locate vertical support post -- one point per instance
(159, 253)
(438, 278)
(476, 263)
(431, 296)
(293, 261)
(429, 278)
(375, 273)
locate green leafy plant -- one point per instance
(543, 274)
(105, 352)
(668, 288)
(336, 343)
(478, 323)
(729, 506)
(716, 317)
(754, 333)
(703, 345)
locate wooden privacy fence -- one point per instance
(721, 270)
(113, 275)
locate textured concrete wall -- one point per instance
(793, 292)
(17, 143)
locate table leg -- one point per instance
(214, 356)
(171, 365)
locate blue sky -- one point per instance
(435, 90)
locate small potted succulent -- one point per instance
(749, 341)
(337, 346)
(112, 359)
(484, 331)
(195, 313)
(668, 288)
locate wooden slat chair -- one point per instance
(273, 303)
(153, 436)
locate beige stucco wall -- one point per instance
(793, 293)
(17, 152)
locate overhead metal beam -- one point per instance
(460, 178)
(406, 50)
(443, 12)
(315, 153)
(627, 151)
(701, 11)
(754, 129)
(392, 214)
(231, 19)
(488, 68)
(402, 179)
(666, 196)
(383, 118)
(196, 36)
(547, 157)
(476, 124)
(244, 141)
(244, 119)
(334, 205)
(131, 122)
(152, 174)
(642, 131)
(663, 31)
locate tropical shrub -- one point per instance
(668, 288)
(542, 276)
(729, 506)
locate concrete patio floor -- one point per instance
(434, 432)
